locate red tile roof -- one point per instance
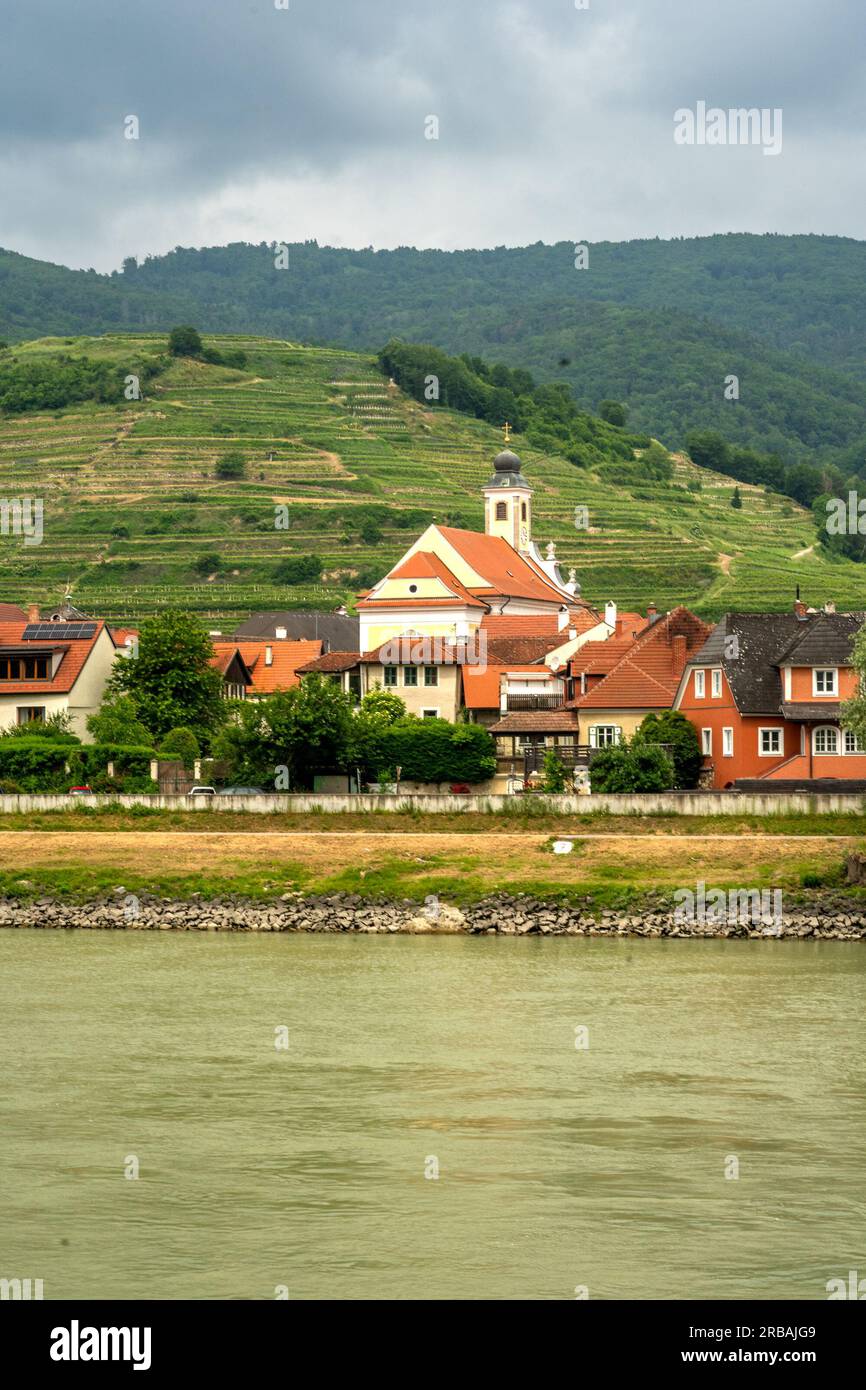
(481, 685)
(552, 721)
(505, 571)
(75, 655)
(648, 675)
(282, 674)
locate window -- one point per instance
(29, 714)
(604, 735)
(523, 511)
(431, 675)
(852, 743)
(390, 677)
(429, 714)
(25, 668)
(707, 742)
(770, 743)
(728, 743)
(824, 682)
(410, 675)
(826, 741)
(717, 684)
(501, 511)
(699, 684)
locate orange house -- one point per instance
(765, 693)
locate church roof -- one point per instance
(506, 571)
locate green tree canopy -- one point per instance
(171, 679)
(181, 743)
(671, 728)
(117, 721)
(184, 341)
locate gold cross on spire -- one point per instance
(507, 432)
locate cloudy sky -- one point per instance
(554, 122)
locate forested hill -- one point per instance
(657, 324)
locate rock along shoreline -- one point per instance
(829, 918)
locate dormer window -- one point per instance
(824, 681)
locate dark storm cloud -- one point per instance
(258, 122)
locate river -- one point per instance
(284, 1099)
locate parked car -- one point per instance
(202, 791)
(243, 791)
(80, 791)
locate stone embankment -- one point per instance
(828, 918)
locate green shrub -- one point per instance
(181, 743)
(640, 767)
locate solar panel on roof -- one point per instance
(66, 632)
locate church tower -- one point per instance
(508, 501)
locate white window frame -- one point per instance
(831, 671)
(410, 684)
(700, 684)
(608, 743)
(707, 742)
(428, 672)
(716, 683)
(386, 683)
(858, 747)
(430, 714)
(727, 743)
(771, 753)
(825, 752)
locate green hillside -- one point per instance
(658, 324)
(132, 502)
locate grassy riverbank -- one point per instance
(614, 870)
(524, 815)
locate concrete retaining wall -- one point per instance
(662, 803)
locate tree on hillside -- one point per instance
(671, 728)
(708, 449)
(184, 341)
(736, 500)
(231, 465)
(614, 412)
(171, 679)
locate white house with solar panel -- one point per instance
(54, 667)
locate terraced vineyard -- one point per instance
(132, 503)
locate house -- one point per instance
(337, 631)
(49, 668)
(252, 670)
(451, 582)
(764, 693)
(618, 683)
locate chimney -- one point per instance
(678, 656)
(281, 633)
(652, 612)
(620, 624)
(562, 619)
(610, 615)
(572, 634)
(799, 608)
(269, 655)
(33, 612)
(829, 606)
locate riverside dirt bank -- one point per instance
(830, 918)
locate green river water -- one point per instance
(559, 1166)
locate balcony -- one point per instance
(514, 703)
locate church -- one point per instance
(452, 584)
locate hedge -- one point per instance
(432, 750)
(36, 765)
